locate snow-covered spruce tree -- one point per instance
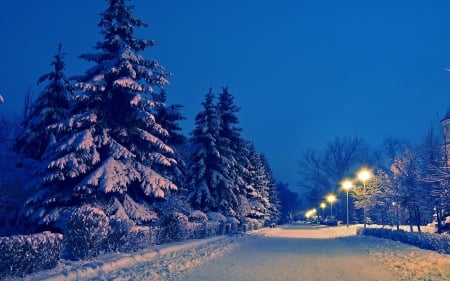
(168, 117)
(51, 106)
(274, 196)
(231, 146)
(109, 152)
(260, 186)
(211, 188)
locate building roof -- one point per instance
(447, 115)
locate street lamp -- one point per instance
(331, 198)
(323, 205)
(364, 175)
(347, 184)
(395, 204)
(311, 214)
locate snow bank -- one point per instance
(155, 263)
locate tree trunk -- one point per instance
(410, 212)
(417, 215)
(438, 218)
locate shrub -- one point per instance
(118, 235)
(140, 237)
(174, 227)
(24, 254)
(428, 241)
(215, 216)
(198, 216)
(86, 229)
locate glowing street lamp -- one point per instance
(364, 175)
(347, 184)
(323, 205)
(331, 198)
(311, 213)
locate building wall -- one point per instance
(445, 123)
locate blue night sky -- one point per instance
(302, 71)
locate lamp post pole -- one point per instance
(323, 205)
(364, 175)
(347, 208)
(364, 207)
(347, 184)
(331, 198)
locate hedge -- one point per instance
(429, 241)
(24, 254)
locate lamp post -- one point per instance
(347, 184)
(364, 175)
(323, 205)
(395, 204)
(331, 198)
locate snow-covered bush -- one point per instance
(140, 237)
(428, 241)
(117, 238)
(195, 230)
(234, 223)
(215, 216)
(86, 229)
(23, 254)
(174, 227)
(198, 216)
(251, 224)
(214, 228)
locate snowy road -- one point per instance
(292, 253)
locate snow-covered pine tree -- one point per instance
(51, 106)
(274, 197)
(260, 185)
(212, 189)
(231, 146)
(168, 117)
(227, 111)
(109, 147)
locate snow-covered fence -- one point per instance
(24, 254)
(428, 241)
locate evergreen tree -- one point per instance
(274, 196)
(212, 189)
(51, 106)
(168, 116)
(229, 129)
(256, 183)
(232, 146)
(109, 153)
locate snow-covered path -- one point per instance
(282, 255)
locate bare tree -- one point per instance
(313, 180)
(322, 171)
(342, 156)
(408, 186)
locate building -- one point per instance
(445, 123)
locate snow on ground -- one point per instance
(295, 252)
